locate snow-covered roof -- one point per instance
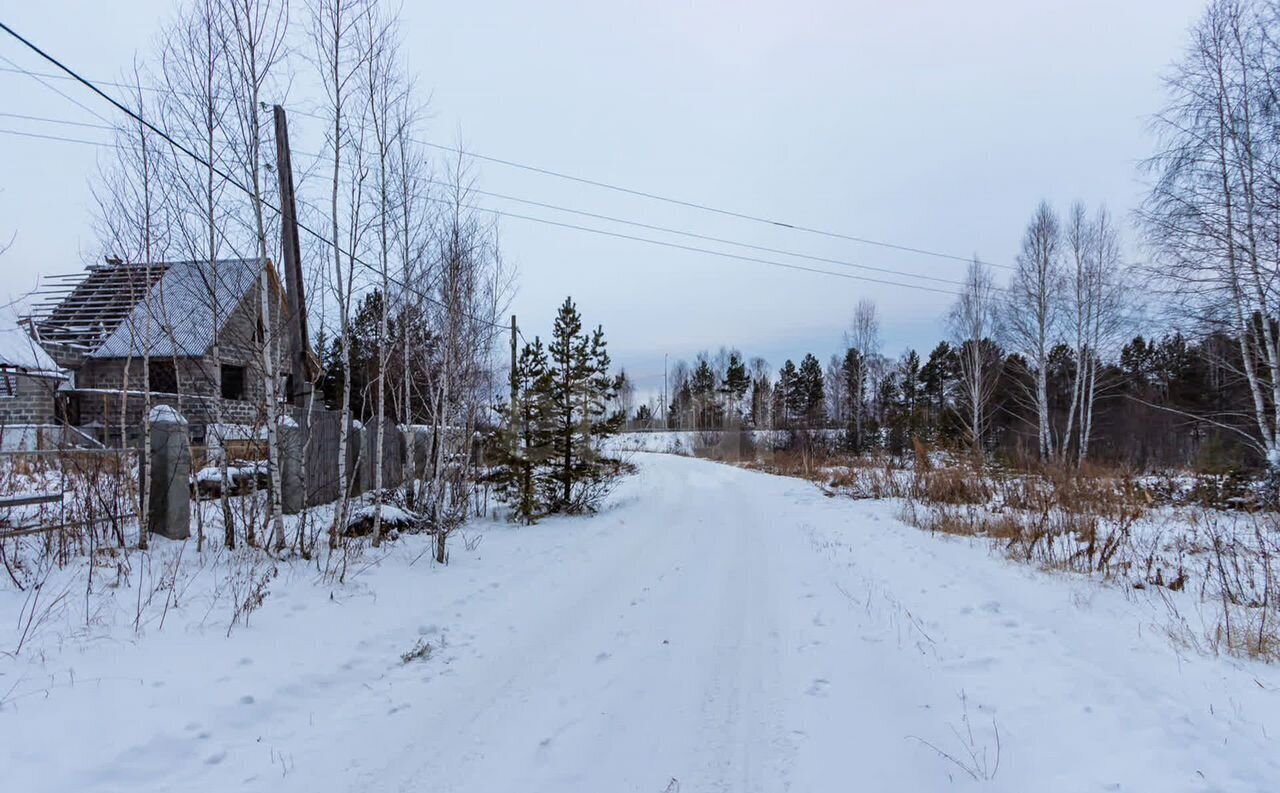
(176, 317)
(19, 351)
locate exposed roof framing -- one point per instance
(81, 314)
(118, 310)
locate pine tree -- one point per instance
(810, 399)
(784, 395)
(736, 382)
(703, 386)
(578, 390)
(525, 442)
(855, 376)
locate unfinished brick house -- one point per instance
(121, 329)
(29, 383)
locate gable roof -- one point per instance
(121, 309)
(176, 317)
(78, 311)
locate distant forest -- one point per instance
(1148, 399)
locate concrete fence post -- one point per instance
(293, 487)
(169, 513)
(358, 459)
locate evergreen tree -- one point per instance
(810, 401)
(784, 395)
(703, 386)
(761, 400)
(855, 386)
(578, 390)
(937, 377)
(736, 382)
(525, 443)
(644, 417)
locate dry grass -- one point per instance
(1200, 537)
(1087, 521)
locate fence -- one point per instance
(67, 489)
(76, 488)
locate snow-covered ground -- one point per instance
(722, 628)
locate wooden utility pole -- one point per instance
(298, 365)
(515, 392)
(514, 332)
(515, 386)
(664, 391)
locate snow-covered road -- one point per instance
(715, 630)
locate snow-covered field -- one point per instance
(714, 629)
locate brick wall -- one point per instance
(33, 402)
(96, 400)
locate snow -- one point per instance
(177, 317)
(212, 474)
(164, 414)
(720, 627)
(19, 351)
(391, 515)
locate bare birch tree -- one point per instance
(412, 240)
(383, 90)
(132, 208)
(1212, 215)
(973, 323)
(1032, 309)
(255, 51)
(193, 67)
(1098, 289)
(864, 338)
(340, 55)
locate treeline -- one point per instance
(1053, 356)
(1155, 397)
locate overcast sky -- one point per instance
(931, 124)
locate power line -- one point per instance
(64, 121)
(39, 78)
(689, 204)
(60, 138)
(575, 227)
(530, 202)
(708, 251)
(681, 232)
(631, 191)
(221, 174)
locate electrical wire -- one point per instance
(617, 188)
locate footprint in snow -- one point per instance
(818, 688)
(602, 657)
(215, 758)
(246, 700)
